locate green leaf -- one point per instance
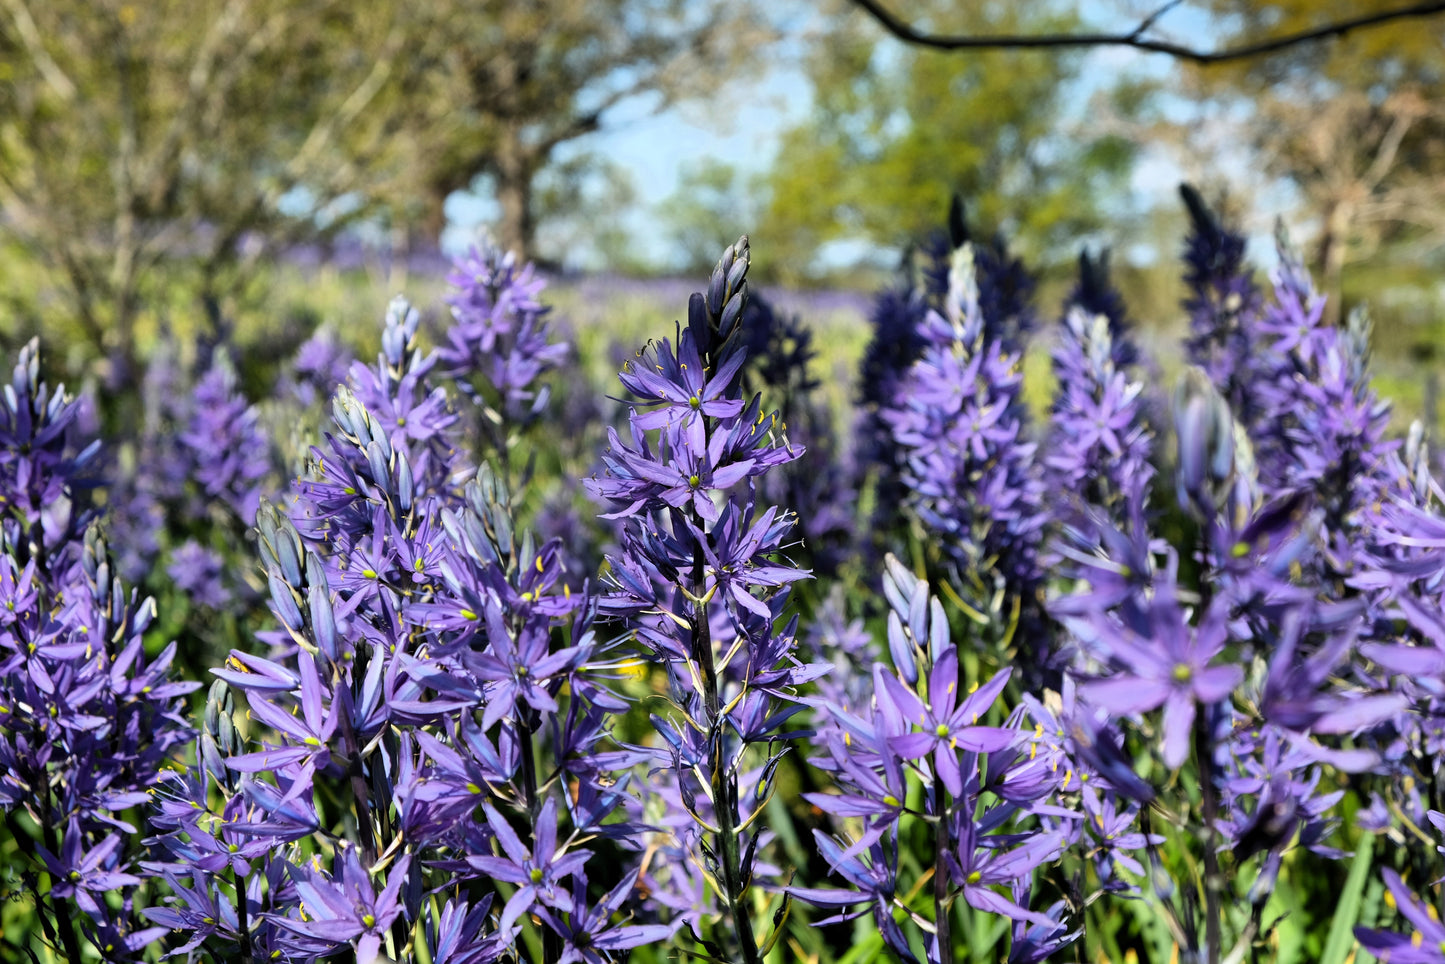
(1347, 912)
(1285, 917)
(865, 950)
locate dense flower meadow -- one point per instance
(510, 672)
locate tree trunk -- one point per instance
(1333, 242)
(514, 167)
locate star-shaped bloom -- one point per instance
(1426, 945)
(947, 724)
(1169, 668)
(82, 874)
(311, 732)
(346, 908)
(588, 934)
(680, 383)
(538, 872)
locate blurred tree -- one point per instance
(523, 79)
(582, 202)
(143, 143)
(200, 132)
(897, 129)
(1356, 125)
(713, 206)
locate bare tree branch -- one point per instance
(58, 80)
(1153, 18)
(325, 129)
(909, 34)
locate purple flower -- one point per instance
(310, 733)
(226, 443)
(346, 909)
(538, 872)
(322, 362)
(197, 571)
(876, 880)
(682, 387)
(83, 874)
(959, 421)
(981, 866)
(1424, 945)
(1038, 941)
(459, 935)
(1169, 667)
(499, 342)
(588, 933)
(947, 723)
(1099, 445)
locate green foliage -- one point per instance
(1353, 124)
(146, 148)
(897, 130)
(712, 206)
(131, 134)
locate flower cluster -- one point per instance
(195, 475)
(498, 345)
(1245, 670)
(1134, 686)
(695, 581)
(1099, 446)
(921, 750)
(433, 718)
(88, 719)
(821, 493)
(1324, 428)
(958, 417)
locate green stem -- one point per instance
(942, 912)
(724, 785)
(359, 791)
(1209, 809)
(32, 880)
(241, 925)
(551, 943)
(1209, 800)
(62, 919)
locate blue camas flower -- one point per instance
(694, 578)
(87, 720)
(959, 419)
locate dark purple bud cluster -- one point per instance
(1224, 306)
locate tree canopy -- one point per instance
(134, 134)
(897, 130)
(142, 140)
(1356, 125)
